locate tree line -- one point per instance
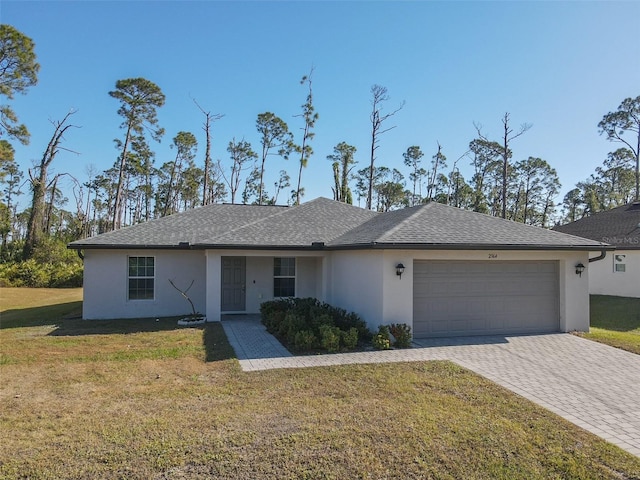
(134, 189)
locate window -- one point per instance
(284, 277)
(141, 278)
(619, 263)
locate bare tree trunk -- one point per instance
(53, 185)
(378, 96)
(39, 185)
(209, 118)
(117, 208)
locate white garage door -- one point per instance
(484, 298)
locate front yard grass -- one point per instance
(114, 400)
(615, 321)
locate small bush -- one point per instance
(272, 320)
(322, 319)
(305, 341)
(349, 338)
(291, 325)
(273, 313)
(330, 338)
(402, 334)
(381, 340)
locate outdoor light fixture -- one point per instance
(399, 269)
(579, 269)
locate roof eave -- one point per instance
(470, 246)
(188, 246)
(120, 246)
(355, 246)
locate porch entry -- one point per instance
(234, 275)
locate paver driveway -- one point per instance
(595, 386)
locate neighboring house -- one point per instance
(462, 273)
(619, 272)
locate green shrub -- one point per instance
(306, 324)
(291, 325)
(346, 321)
(381, 340)
(31, 273)
(402, 334)
(272, 320)
(320, 320)
(273, 313)
(349, 338)
(330, 338)
(305, 341)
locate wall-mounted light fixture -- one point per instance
(579, 269)
(399, 269)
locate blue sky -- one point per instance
(559, 66)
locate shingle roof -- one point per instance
(330, 224)
(319, 220)
(188, 226)
(436, 225)
(619, 226)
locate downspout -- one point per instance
(80, 254)
(603, 253)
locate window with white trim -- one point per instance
(141, 278)
(619, 263)
(284, 277)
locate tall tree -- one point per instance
(389, 190)
(254, 191)
(209, 118)
(378, 98)
(626, 120)
(617, 178)
(460, 193)
(508, 135)
(185, 144)
(343, 163)
(10, 177)
(38, 178)
(310, 117)
(284, 181)
(486, 165)
(571, 205)
(438, 161)
(18, 72)
(241, 154)
(539, 184)
(139, 98)
(274, 134)
(412, 159)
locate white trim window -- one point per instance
(284, 277)
(141, 285)
(619, 263)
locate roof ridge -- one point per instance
(259, 220)
(418, 209)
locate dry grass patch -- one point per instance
(197, 415)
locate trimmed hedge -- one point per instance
(308, 325)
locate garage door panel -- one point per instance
(474, 298)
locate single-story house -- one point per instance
(442, 270)
(619, 273)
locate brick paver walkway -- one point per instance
(595, 386)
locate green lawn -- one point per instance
(615, 321)
(144, 399)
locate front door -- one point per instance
(233, 284)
